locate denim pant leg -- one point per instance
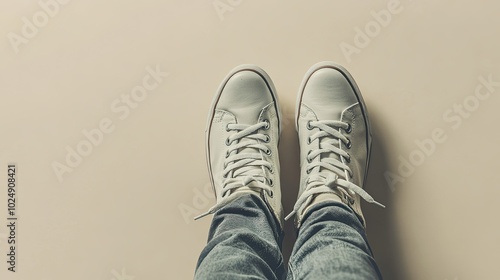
(244, 242)
(331, 244)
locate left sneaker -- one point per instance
(242, 137)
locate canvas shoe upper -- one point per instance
(334, 138)
(242, 138)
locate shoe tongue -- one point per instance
(248, 141)
(249, 150)
(335, 142)
(242, 115)
(248, 190)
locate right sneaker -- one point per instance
(242, 137)
(334, 139)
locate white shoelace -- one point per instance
(322, 181)
(244, 167)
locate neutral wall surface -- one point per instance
(121, 206)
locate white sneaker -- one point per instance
(242, 138)
(334, 139)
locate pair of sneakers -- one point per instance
(244, 128)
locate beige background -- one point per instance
(125, 211)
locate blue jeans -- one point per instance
(244, 242)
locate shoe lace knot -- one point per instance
(327, 166)
(245, 165)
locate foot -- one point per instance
(334, 139)
(242, 137)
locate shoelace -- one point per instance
(329, 182)
(244, 167)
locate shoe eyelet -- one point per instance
(271, 182)
(309, 125)
(268, 139)
(271, 194)
(351, 200)
(308, 171)
(348, 129)
(347, 159)
(228, 143)
(268, 152)
(348, 144)
(267, 124)
(309, 141)
(309, 160)
(271, 170)
(227, 153)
